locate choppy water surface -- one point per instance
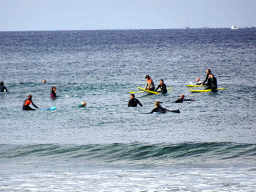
(209, 146)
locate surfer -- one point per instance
(208, 72)
(162, 86)
(212, 82)
(158, 108)
(133, 101)
(198, 82)
(149, 84)
(27, 102)
(2, 87)
(182, 98)
(53, 93)
(83, 104)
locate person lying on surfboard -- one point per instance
(182, 98)
(133, 101)
(162, 87)
(27, 102)
(158, 108)
(149, 84)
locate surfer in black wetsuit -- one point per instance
(182, 98)
(162, 86)
(2, 87)
(212, 82)
(208, 72)
(53, 93)
(158, 108)
(27, 102)
(133, 101)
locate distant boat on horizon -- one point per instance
(234, 27)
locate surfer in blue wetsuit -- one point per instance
(2, 87)
(158, 108)
(133, 101)
(27, 102)
(182, 98)
(162, 87)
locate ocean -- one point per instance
(107, 146)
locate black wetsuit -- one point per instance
(206, 78)
(159, 109)
(53, 94)
(180, 100)
(133, 102)
(162, 87)
(212, 83)
(26, 104)
(2, 88)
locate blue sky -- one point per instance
(20, 15)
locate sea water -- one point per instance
(106, 146)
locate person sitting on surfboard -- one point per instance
(182, 98)
(83, 104)
(149, 84)
(208, 72)
(212, 82)
(53, 93)
(2, 87)
(158, 108)
(27, 102)
(133, 101)
(162, 86)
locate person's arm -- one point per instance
(5, 89)
(189, 100)
(139, 103)
(157, 88)
(129, 103)
(205, 79)
(34, 105)
(174, 111)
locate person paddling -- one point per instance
(182, 98)
(158, 108)
(27, 102)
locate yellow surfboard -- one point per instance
(205, 90)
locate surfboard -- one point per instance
(152, 92)
(189, 85)
(48, 109)
(205, 90)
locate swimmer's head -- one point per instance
(147, 77)
(132, 95)
(198, 79)
(30, 97)
(157, 103)
(182, 96)
(44, 81)
(1, 83)
(84, 103)
(53, 88)
(208, 71)
(161, 81)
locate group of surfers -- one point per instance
(210, 81)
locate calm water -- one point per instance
(209, 146)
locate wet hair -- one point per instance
(161, 80)
(1, 83)
(209, 70)
(132, 95)
(30, 97)
(53, 88)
